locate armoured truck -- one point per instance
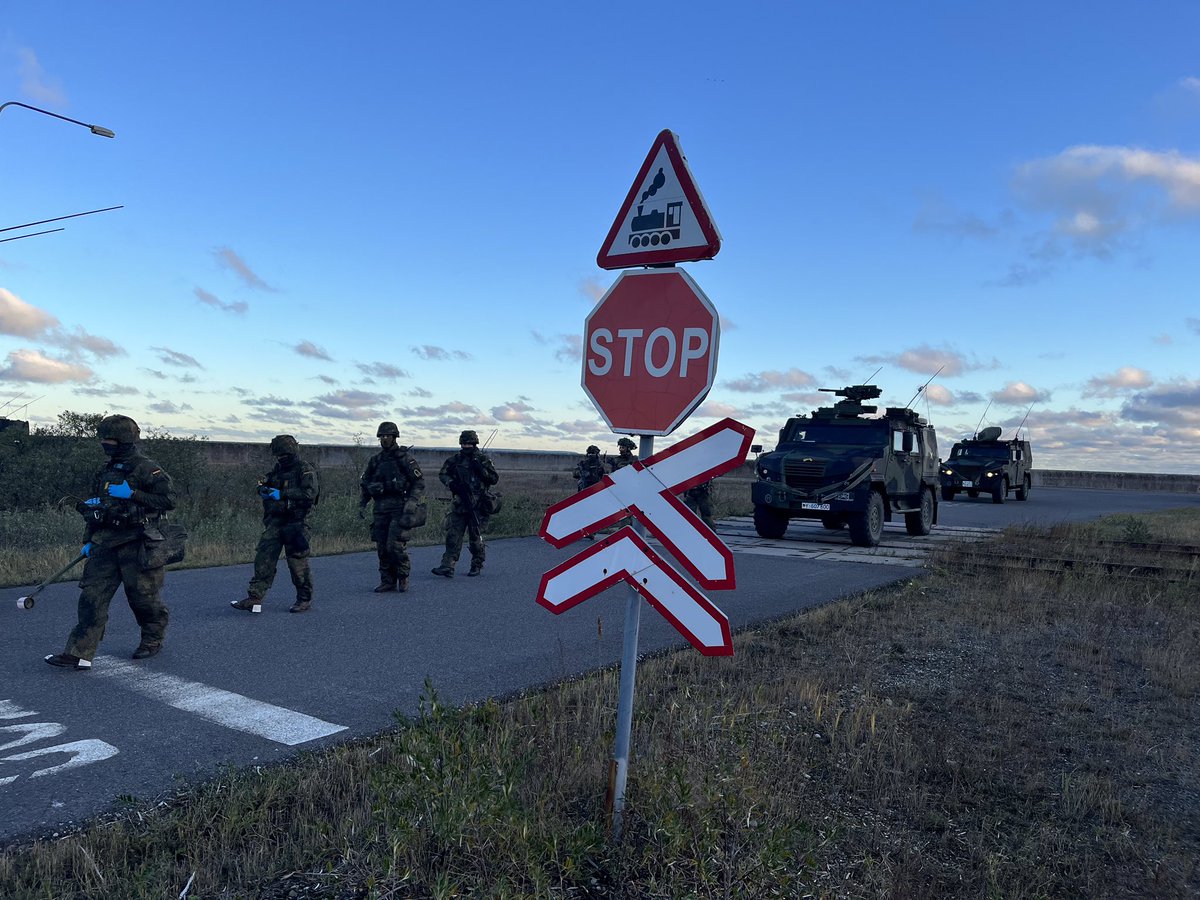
(987, 465)
(850, 468)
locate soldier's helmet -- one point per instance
(626, 442)
(283, 444)
(121, 429)
(387, 428)
(592, 448)
(468, 437)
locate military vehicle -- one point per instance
(847, 466)
(987, 465)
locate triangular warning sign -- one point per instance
(664, 219)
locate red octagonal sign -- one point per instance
(650, 350)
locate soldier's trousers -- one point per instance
(391, 545)
(702, 508)
(293, 539)
(105, 571)
(458, 523)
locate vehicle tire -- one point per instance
(866, 528)
(948, 493)
(1000, 494)
(833, 523)
(770, 522)
(972, 494)
(921, 522)
(1023, 490)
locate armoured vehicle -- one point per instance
(847, 466)
(987, 465)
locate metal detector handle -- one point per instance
(26, 602)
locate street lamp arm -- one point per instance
(95, 129)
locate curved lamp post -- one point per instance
(95, 129)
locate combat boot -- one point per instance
(248, 604)
(300, 606)
(384, 587)
(444, 571)
(67, 661)
(146, 650)
(402, 585)
(476, 569)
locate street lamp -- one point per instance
(95, 129)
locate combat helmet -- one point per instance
(592, 448)
(283, 444)
(387, 428)
(468, 437)
(121, 429)
(626, 442)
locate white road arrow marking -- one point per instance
(275, 723)
(83, 753)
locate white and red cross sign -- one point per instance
(646, 490)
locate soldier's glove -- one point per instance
(375, 488)
(86, 549)
(92, 502)
(121, 490)
(268, 493)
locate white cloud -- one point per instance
(1126, 378)
(770, 380)
(1018, 393)
(230, 260)
(35, 83)
(32, 366)
(23, 319)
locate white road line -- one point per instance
(275, 723)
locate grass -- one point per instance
(955, 735)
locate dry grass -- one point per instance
(1025, 736)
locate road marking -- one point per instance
(83, 753)
(275, 723)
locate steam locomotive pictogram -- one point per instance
(656, 227)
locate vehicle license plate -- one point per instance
(968, 483)
(819, 507)
(845, 495)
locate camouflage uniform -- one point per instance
(285, 526)
(118, 531)
(467, 474)
(625, 456)
(394, 481)
(699, 500)
(590, 469)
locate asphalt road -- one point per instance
(232, 688)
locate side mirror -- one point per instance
(756, 449)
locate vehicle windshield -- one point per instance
(979, 453)
(870, 434)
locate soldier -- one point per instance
(289, 492)
(625, 456)
(129, 496)
(394, 481)
(468, 474)
(590, 469)
(699, 500)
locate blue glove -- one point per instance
(268, 493)
(86, 549)
(92, 502)
(121, 490)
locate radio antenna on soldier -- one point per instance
(925, 385)
(490, 436)
(985, 409)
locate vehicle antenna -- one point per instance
(872, 375)
(985, 409)
(1027, 412)
(925, 385)
(58, 219)
(13, 400)
(31, 234)
(26, 406)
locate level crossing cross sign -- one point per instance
(646, 490)
(663, 219)
(650, 351)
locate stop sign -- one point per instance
(650, 350)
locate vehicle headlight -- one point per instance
(990, 475)
(947, 471)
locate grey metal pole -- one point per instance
(618, 769)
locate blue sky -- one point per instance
(339, 214)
